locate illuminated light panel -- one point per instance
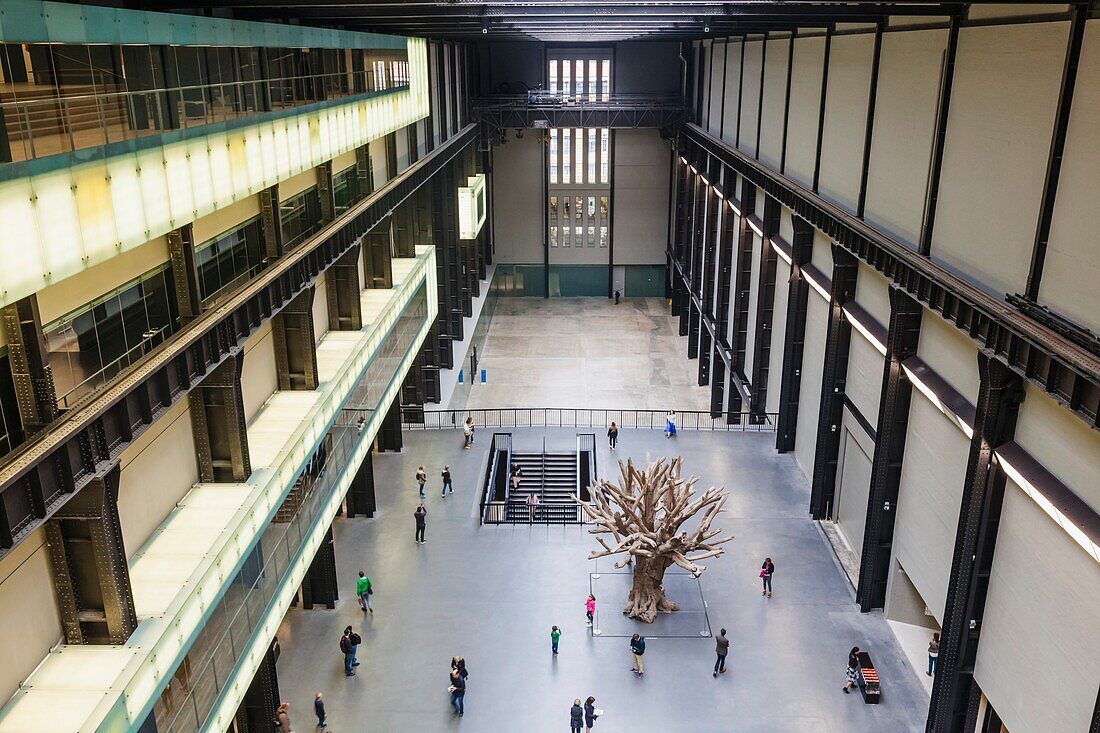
(704, 180)
(758, 230)
(816, 285)
(782, 255)
(735, 209)
(181, 571)
(471, 207)
(683, 160)
(59, 223)
(859, 326)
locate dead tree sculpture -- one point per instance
(643, 514)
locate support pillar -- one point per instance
(320, 586)
(271, 224)
(363, 171)
(743, 283)
(360, 498)
(721, 383)
(185, 273)
(765, 316)
(389, 437)
(893, 423)
(834, 374)
(794, 335)
(30, 369)
(955, 695)
(378, 256)
(295, 343)
(257, 710)
(88, 557)
(711, 233)
(218, 423)
(343, 290)
(325, 192)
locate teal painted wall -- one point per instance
(578, 280)
(645, 281)
(570, 281)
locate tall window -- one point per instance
(554, 156)
(301, 217)
(230, 260)
(567, 157)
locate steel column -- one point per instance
(320, 585)
(218, 423)
(931, 198)
(343, 290)
(271, 223)
(742, 288)
(261, 700)
(325, 192)
(35, 393)
(954, 691)
(765, 316)
(389, 437)
(88, 557)
(295, 343)
(185, 273)
(360, 498)
(821, 110)
(363, 172)
(794, 336)
(893, 423)
(869, 127)
(833, 380)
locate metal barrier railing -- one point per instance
(577, 417)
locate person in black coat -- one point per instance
(576, 717)
(590, 713)
(458, 692)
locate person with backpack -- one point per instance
(850, 672)
(933, 654)
(447, 487)
(349, 644)
(576, 717)
(766, 571)
(613, 435)
(364, 589)
(458, 684)
(420, 516)
(421, 479)
(637, 650)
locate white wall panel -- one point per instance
(779, 334)
(809, 398)
(873, 294)
(754, 292)
(379, 170)
(707, 50)
(775, 101)
(950, 354)
(786, 224)
(905, 121)
(806, 75)
(822, 257)
(846, 117)
(853, 484)
(1039, 656)
(158, 469)
(296, 184)
(932, 476)
(259, 380)
(1062, 442)
(320, 309)
(1072, 268)
(750, 96)
(863, 385)
(641, 198)
(998, 133)
(28, 610)
(733, 92)
(717, 69)
(518, 201)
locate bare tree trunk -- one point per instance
(647, 596)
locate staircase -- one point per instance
(553, 477)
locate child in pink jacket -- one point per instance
(590, 608)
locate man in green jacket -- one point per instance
(363, 589)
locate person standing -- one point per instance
(853, 665)
(576, 717)
(721, 648)
(468, 431)
(590, 713)
(613, 435)
(933, 653)
(637, 650)
(349, 653)
(319, 710)
(618, 295)
(420, 515)
(364, 589)
(458, 692)
(421, 479)
(282, 718)
(766, 571)
(447, 487)
(532, 505)
(590, 608)
(555, 634)
(459, 663)
(670, 424)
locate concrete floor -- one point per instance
(492, 593)
(587, 352)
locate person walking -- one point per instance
(670, 424)
(766, 571)
(468, 431)
(515, 475)
(933, 653)
(637, 650)
(590, 713)
(459, 663)
(721, 648)
(282, 718)
(364, 589)
(576, 717)
(319, 710)
(613, 435)
(349, 643)
(555, 635)
(618, 295)
(590, 608)
(853, 665)
(458, 692)
(532, 505)
(421, 479)
(419, 516)
(447, 487)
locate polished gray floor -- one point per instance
(491, 594)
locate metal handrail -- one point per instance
(539, 98)
(502, 442)
(583, 417)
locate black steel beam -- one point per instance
(893, 424)
(787, 102)
(1057, 149)
(726, 245)
(509, 113)
(35, 394)
(794, 335)
(869, 126)
(343, 286)
(765, 300)
(185, 274)
(834, 376)
(294, 339)
(939, 138)
(320, 586)
(821, 108)
(742, 288)
(389, 436)
(218, 422)
(46, 472)
(1045, 357)
(361, 499)
(954, 692)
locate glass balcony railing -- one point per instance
(48, 124)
